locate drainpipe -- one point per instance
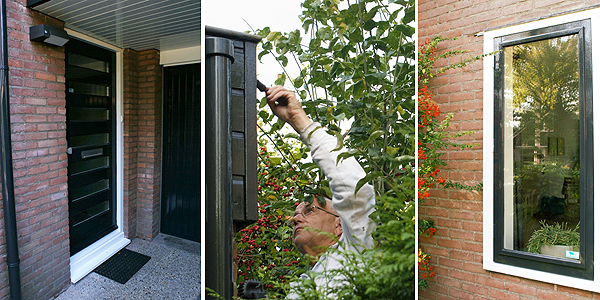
(8, 192)
(218, 207)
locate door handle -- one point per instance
(69, 150)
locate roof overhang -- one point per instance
(137, 24)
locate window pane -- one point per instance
(541, 142)
(88, 62)
(88, 89)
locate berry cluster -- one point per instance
(424, 266)
(265, 251)
(258, 245)
(428, 109)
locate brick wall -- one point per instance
(130, 136)
(142, 129)
(149, 142)
(457, 246)
(37, 99)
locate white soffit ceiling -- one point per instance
(136, 24)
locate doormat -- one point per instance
(122, 266)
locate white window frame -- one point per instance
(488, 151)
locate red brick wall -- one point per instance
(149, 142)
(142, 116)
(37, 99)
(457, 246)
(130, 136)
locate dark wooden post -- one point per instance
(230, 139)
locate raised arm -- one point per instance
(354, 210)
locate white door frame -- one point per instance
(86, 260)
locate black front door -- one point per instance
(180, 201)
(90, 94)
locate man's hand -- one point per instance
(292, 113)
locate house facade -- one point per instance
(105, 134)
(531, 107)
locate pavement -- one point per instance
(173, 272)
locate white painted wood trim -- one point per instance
(86, 260)
(92, 40)
(488, 151)
(182, 56)
(202, 160)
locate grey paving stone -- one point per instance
(173, 272)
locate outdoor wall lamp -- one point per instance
(33, 3)
(47, 34)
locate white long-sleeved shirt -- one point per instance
(354, 210)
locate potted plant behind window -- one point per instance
(555, 240)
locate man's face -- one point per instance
(307, 229)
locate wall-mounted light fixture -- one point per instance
(33, 3)
(44, 33)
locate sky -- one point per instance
(239, 15)
(279, 15)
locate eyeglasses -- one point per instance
(309, 209)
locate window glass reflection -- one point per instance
(541, 143)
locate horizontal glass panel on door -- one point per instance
(90, 80)
(87, 62)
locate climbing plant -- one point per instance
(434, 138)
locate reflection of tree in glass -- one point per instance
(546, 77)
(546, 97)
(545, 101)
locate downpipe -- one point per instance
(8, 192)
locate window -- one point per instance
(540, 152)
(538, 149)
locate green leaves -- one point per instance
(298, 82)
(272, 36)
(405, 29)
(340, 141)
(355, 36)
(275, 160)
(356, 77)
(280, 79)
(370, 177)
(405, 159)
(391, 151)
(375, 135)
(557, 234)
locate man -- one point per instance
(346, 215)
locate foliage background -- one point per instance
(357, 68)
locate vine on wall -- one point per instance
(433, 139)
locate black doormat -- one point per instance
(122, 266)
